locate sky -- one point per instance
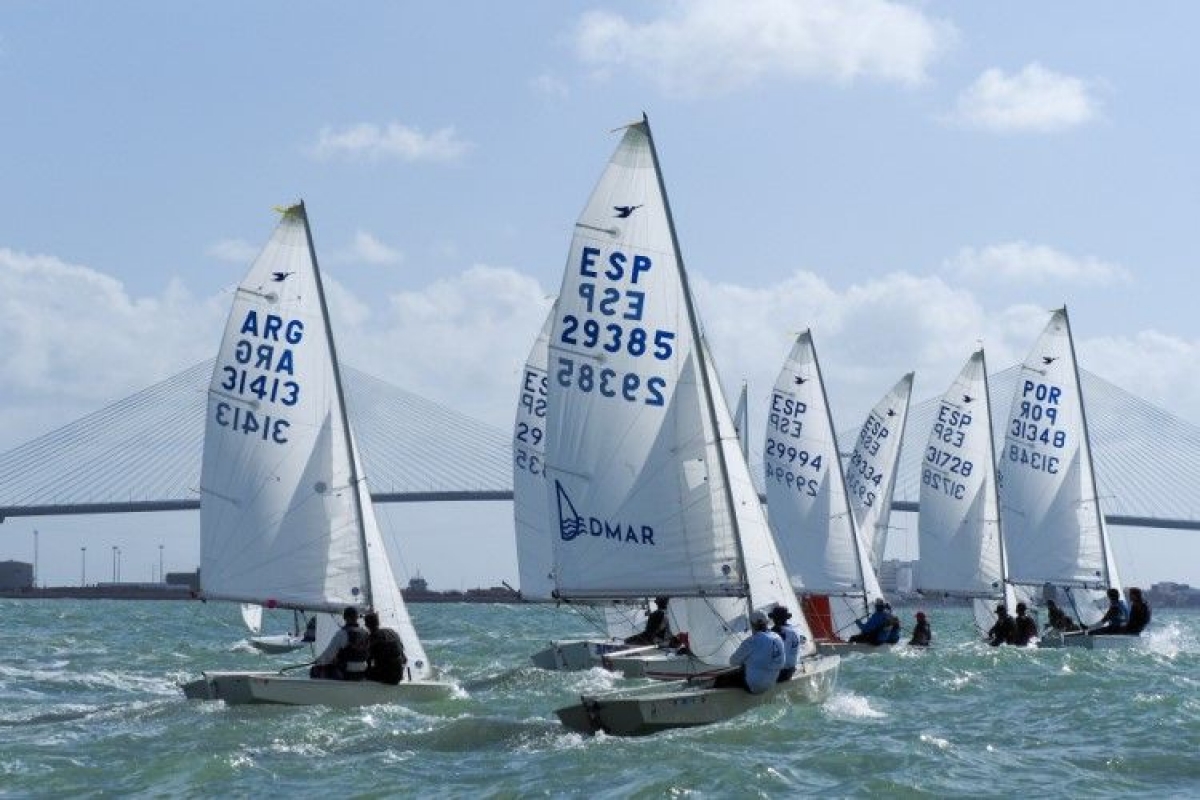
(905, 179)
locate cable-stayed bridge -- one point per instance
(143, 453)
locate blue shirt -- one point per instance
(791, 645)
(762, 657)
(874, 623)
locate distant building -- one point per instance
(188, 579)
(15, 575)
(1168, 593)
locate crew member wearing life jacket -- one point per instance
(387, 657)
(791, 641)
(1115, 618)
(345, 658)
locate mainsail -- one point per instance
(959, 532)
(648, 491)
(871, 471)
(1053, 525)
(535, 549)
(285, 516)
(807, 500)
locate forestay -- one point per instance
(806, 493)
(871, 471)
(1053, 522)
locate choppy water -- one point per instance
(89, 706)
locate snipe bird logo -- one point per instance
(623, 212)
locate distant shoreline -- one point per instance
(177, 592)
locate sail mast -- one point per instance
(991, 487)
(1087, 443)
(341, 400)
(856, 543)
(701, 356)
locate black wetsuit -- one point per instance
(1139, 617)
(387, 657)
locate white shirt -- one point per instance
(762, 656)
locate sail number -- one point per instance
(951, 425)
(528, 433)
(948, 461)
(807, 486)
(607, 382)
(943, 483)
(871, 437)
(785, 415)
(243, 420)
(1039, 462)
(613, 338)
(861, 477)
(785, 452)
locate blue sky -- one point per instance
(905, 178)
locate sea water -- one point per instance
(90, 706)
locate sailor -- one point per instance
(658, 628)
(345, 657)
(791, 641)
(873, 629)
(758, 659)
(386, 660)
(310, 630)
(891, 630)
(1114, 618)
(922, 635)
(1055, 618)
(1025, 628)
(1002, 632)
(1139, 612)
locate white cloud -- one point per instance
(78, 336)
(1033, 264)
(366, 249)
(1034, 100)
(711, 46)
(75, 339)
(368, 142)
(234, 251)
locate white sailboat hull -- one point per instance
(659, 664)
(572, 655)
(277, 644)
(686, 704)
(253, 688)
(1054, 640)
(844, 648)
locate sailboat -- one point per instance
(959, 526)
(649, 490)
(809, 505)
(871, 471)
(274, 643)
(535, 547)
(286, 519)
(1054, 528)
